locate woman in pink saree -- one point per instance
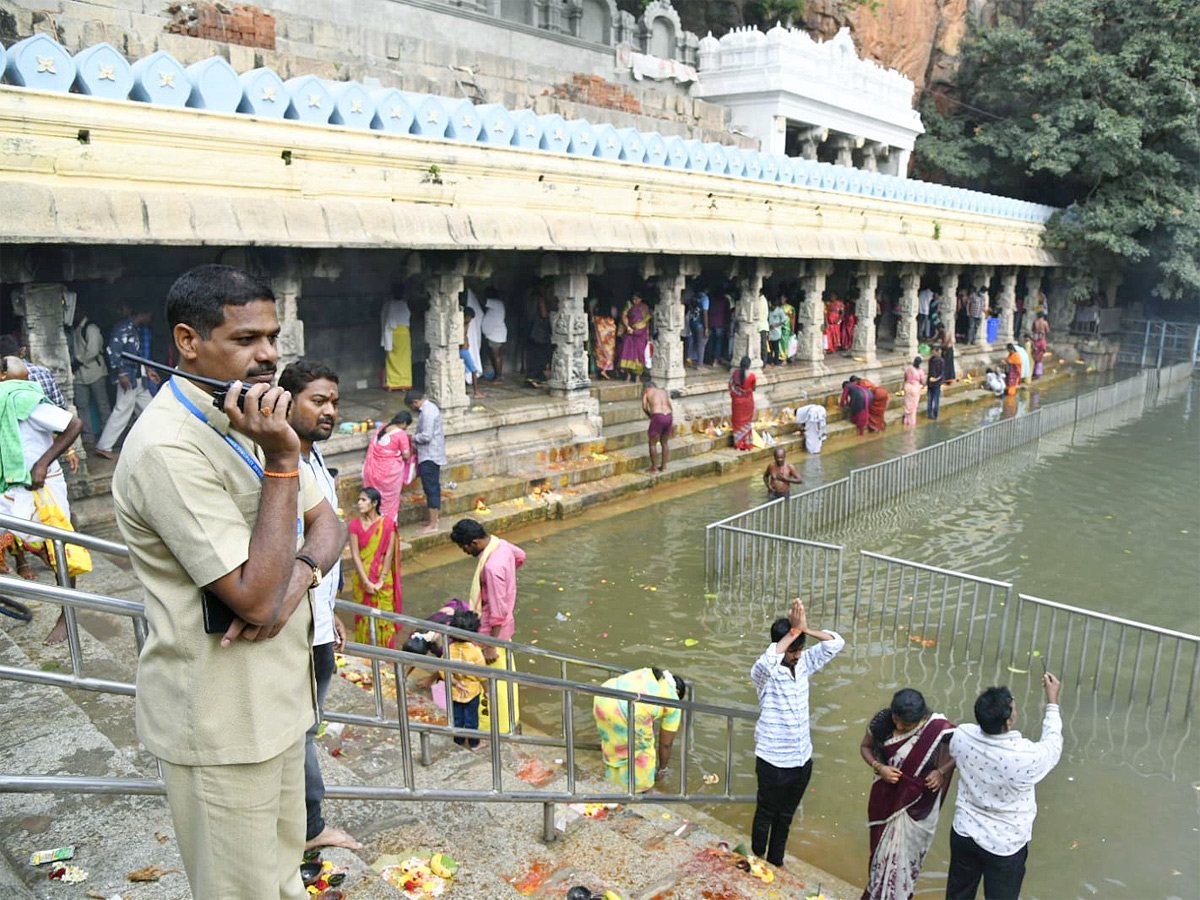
(390, 463)
(913, 379)
(907, 746)
(636, 320)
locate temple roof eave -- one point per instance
(141, 217)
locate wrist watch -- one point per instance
(309, 561)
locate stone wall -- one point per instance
(412, 47)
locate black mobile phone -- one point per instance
(221, 388)
(217, 614)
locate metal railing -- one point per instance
(968, 617)
(812, 514)
(1106, 652)
(395, 717)
(755, 565)
(928, 605)
(1157, 342)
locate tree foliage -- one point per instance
(1093, 106)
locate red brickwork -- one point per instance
(595, 91)
(248, 26)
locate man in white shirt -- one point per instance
(996, 806)
(782, 744)
(495, 330)
(313, 416)
(924, 299)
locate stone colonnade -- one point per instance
(442, 279)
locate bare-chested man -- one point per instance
(657, 405)
(780, 476)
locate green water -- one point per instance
(1108, 521)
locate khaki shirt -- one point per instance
(186, 505)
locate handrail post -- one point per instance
(549, 833)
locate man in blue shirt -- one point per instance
(134, 383)
(782, 744)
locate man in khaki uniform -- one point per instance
(215, 510)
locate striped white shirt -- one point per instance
(325, 593)
(781, 736)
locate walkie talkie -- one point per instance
(220, 388)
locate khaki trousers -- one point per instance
(241, 827)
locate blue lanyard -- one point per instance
(195, 411)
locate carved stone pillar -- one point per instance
(983, 279)
(444, 370)
(870, 153)
(810, 314)
(1062, 310)
(906, 341)
(866, 305)
(1006, 305)
(746, 342)
(670, 277)
(568, 323)
(1033, 290)
(948, 305)
(286, 286)
(844, 145)
(41, 305)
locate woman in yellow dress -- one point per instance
(374, 545)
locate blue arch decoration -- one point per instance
(159, 78)
(263, 94)
(40, 62)
(352, 105)
(215, 85)
(100, 71)
(393, 112)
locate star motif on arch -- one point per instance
(499, 127)
(611, 143)
(468, 122)
(269, 94)
(530, 131)
(356, 106)
(314, 101)
(46, 64)
(432, 118)
(585, 139)
(558, 134)
(108, 73)
(166, 79)
(397, 112)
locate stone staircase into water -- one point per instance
(641, 851)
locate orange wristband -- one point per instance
(295, 474)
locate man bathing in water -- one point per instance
(657, 405)
(780, 476)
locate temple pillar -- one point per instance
(906, 341)
(866, 306)
(810, 139)
(870, 154)
(750, 276)
(983, 279)
(286, 286)
(445, 373)
(669, 275)
(1062, 310)
(1033, 292)
(1006, 306)
(844, 145)
(569, 276)
(900, 161)
(810, 314)
(41, 305)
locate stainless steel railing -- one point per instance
(754, 565)
(931, 606)
(396, 719)
(1106, 653)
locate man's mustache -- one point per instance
(266, 369)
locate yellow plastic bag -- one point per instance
(757, 440)
(79, 560)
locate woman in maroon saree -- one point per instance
(856, 399)
(908, 748)
(741, 398)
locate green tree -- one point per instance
(1093, 106)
